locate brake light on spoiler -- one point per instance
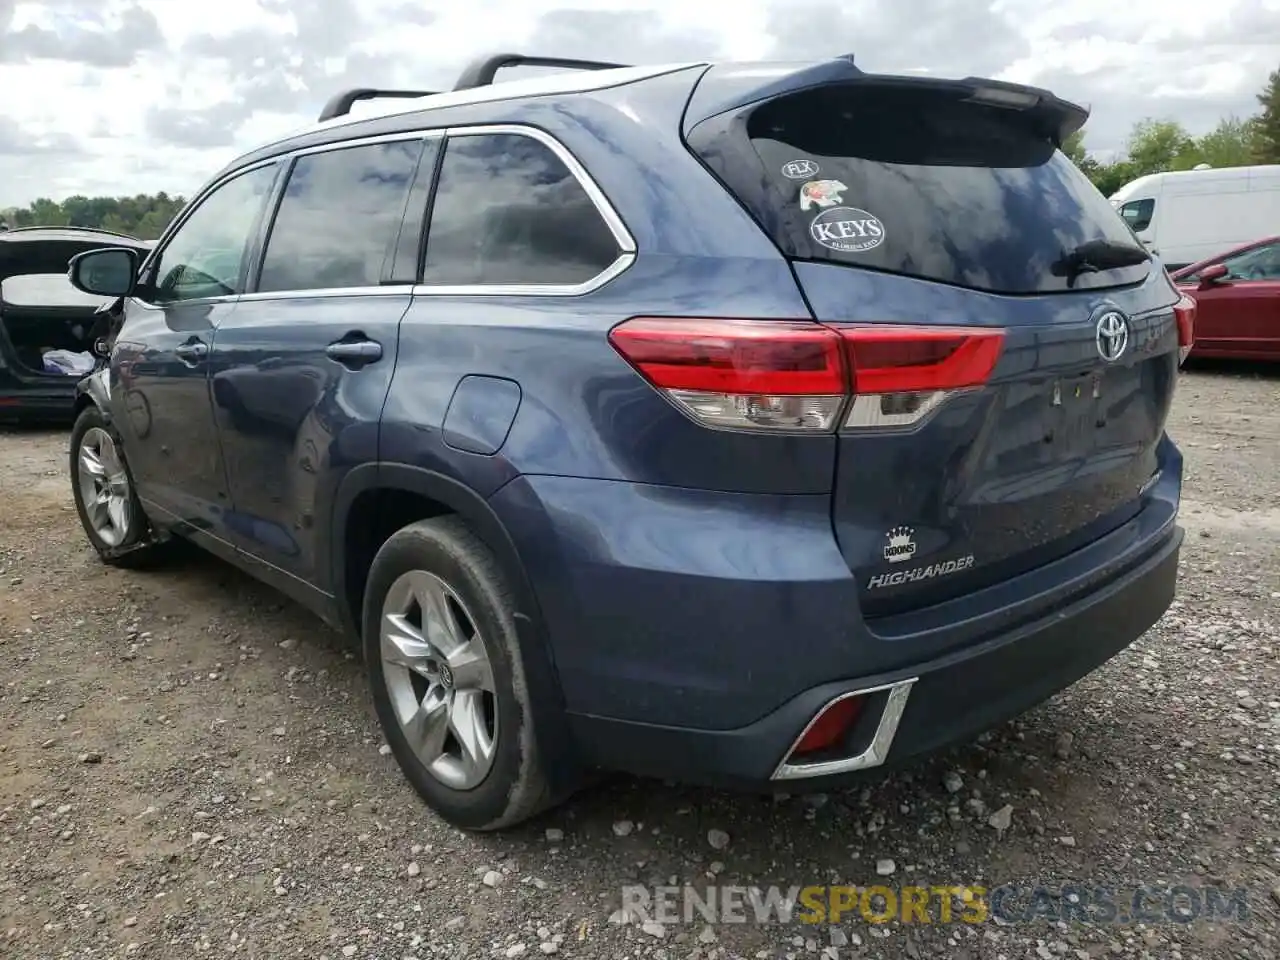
(801, 376)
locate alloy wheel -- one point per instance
(104, 487)
(439, 679)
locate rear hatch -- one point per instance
(1013, 350)
(41, 313)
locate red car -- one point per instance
(1237, 296)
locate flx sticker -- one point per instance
(847, 229)
(825, 193)
(800, 169)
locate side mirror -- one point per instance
(1213, 274)
(110, 272)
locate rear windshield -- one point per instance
(917, 182)
(45, 290)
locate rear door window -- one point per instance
(509, 211)
(915, 181)
(339, 218)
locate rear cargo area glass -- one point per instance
(917, 181)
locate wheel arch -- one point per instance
(373, 483)
(93, 390)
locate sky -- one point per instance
(136, 96)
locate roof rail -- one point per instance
(340, 104)
(481, 71)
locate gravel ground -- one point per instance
(189, 765)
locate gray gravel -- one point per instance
(189, 766)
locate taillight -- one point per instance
(900, 373)
(1184, 312)
(768, 374)
(800, 375)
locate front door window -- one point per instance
(205, 256)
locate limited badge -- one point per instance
(825, 193)
(800, 169)
(847, 229)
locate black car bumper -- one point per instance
(909, 712)
(55, 403)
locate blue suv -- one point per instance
(748, 424)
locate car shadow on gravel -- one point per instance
(1027, 754)
(1065, 793)
(997, 767)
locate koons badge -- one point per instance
(847, 229)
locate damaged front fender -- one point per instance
(96, 389)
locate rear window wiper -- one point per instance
(1097, 255)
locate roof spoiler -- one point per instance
(1059, 118)
(479, 73)
(738, 86)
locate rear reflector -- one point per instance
(829, 727)
(799, 375)
(1184, 312)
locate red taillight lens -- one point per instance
(829, 727)
(1184, 312)
(734, 356)
(914, 359)
(741, 374)
(799, 375)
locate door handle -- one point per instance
(354, 352)
(192, 352)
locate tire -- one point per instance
(422, 569)
(117, 528)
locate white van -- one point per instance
(1186, 216)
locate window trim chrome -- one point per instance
(604, 207)
(626, 242)
(329, 293)
(425, 133)
(609, 273)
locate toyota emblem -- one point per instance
(1112, 336)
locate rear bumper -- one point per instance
(949, 699)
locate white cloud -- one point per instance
(130, 96)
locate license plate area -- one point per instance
(1077, 414)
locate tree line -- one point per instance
(1158, 146)
(143, 216)
(1154, 146)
